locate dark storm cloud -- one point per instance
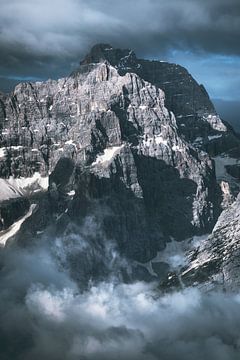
(58, 27)
(41, 35)
(41, 39)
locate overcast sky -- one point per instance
(42, 38)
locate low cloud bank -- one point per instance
(44, 315)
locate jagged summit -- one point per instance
(195, 113)
(101, 52)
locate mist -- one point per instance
(46, 314)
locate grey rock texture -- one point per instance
(195, 114)
(214, 263)
(119, 143)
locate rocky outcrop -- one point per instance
(214, 262)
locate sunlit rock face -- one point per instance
(121, 141)
(214, 262)
(195, 114)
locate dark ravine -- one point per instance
(126, 144)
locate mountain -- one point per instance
(128, 155)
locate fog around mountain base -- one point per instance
(45, 315)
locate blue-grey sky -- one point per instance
(40, 39)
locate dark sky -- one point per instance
(47, 38)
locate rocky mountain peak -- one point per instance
(116, 57)
(195, 113)
(124, 140)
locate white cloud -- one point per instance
(131, 322)
(44, 315)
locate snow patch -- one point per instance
(71, 142)
(108, 155)
(198, 141)
(177, 148)
(19, 147)
(35, 181)
(176, 255)
(215, 121)
(5, 235)
(16, 187)
(160, 140)
(214, 137)
(2, 152)
(155, 139)
(8, 191)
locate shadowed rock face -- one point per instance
(118, 148)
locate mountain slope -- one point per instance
(108, 140)
(214, 262)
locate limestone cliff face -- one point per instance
(214, 262)
(117, 139)
(195, 114)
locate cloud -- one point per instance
(44, 314)
(62, 26)
(42, 38)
